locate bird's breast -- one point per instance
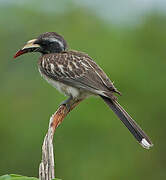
(61, 87)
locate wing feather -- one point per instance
(77, 70)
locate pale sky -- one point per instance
(115, 11)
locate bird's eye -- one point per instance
(43, 43)
(51, 42)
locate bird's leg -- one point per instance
(68, 103)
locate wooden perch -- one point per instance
(46, 168)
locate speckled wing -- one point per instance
(77, 70)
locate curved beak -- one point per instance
(30, 46)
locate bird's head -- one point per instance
(49, 42)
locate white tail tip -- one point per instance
(146, 144)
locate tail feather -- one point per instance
(133, 127)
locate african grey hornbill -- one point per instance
(78, 76)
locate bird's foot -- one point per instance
(67, 103)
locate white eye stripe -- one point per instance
(56, 40)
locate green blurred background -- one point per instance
(129, 42)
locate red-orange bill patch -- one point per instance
(19, 53)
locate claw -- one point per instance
(67, 103)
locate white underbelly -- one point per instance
(67, 90)
(63, 88)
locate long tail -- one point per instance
(136, 131)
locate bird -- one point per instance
(78, 76)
